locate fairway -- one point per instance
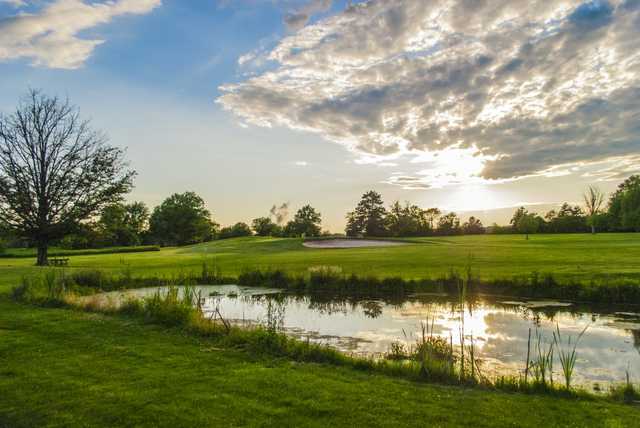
(575, 256)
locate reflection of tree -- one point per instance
(372, 309)
(636, 339)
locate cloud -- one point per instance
(50, 37)
(519, 87)
(299, 18)
(301, 163)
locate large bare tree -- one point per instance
(55, 171)
(593, 200)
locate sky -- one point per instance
(473, 106)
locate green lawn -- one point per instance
(60, 367)
(580, 256)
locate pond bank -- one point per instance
(117, 370)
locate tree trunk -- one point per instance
(593, 229)
(526, 236)
(43, 259)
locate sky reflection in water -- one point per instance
(500, 328)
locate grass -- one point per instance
(62, 252)
(69, 368)
(579, 257)
(62, 367)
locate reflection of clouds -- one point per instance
(608, 347)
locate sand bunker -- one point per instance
(350, 243)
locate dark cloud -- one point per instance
(299, 18)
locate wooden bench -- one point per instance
(58, 261)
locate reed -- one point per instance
(568, 354)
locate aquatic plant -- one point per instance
(543, 363)
(567, 355)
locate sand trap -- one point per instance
(350, 243)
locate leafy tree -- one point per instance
(568, 219)
(473, 227)
(432, 215)
(306, 222)
(264, 226)
(407, 220)
(369, 216)
(238, 230)
(420, 218)
(55, 171)
(525, 222)
(124, 224)
(593, 200)
(181, 219)
(528, 224)
(624, 205)
(399, 220)
(449, 224)
(85, 235)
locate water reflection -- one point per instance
(366, 326)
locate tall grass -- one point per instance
(567, 355)
(332, 280)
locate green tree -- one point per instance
(473, 226)
(55, 171)
(238, 230)
(407, 220)
(264, 226)
(369, 216)
(432, 215)
(306, 222)
(123, 224)
(181, 219)
(85, 235)
(567, 219)
(449, 224)
(624, 205)
(525, 222)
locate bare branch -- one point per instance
(54, 169)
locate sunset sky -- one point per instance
(476, 106)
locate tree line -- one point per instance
(181, 219)
(621, 213)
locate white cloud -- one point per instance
(50, 37)
(519, 87)
(301, 163)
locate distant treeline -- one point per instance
(182, 219)
(370, 218)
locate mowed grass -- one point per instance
(60, 367)
(575, 256)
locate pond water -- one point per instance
(500, 328)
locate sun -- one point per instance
(471, 197)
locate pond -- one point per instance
(609, 348)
